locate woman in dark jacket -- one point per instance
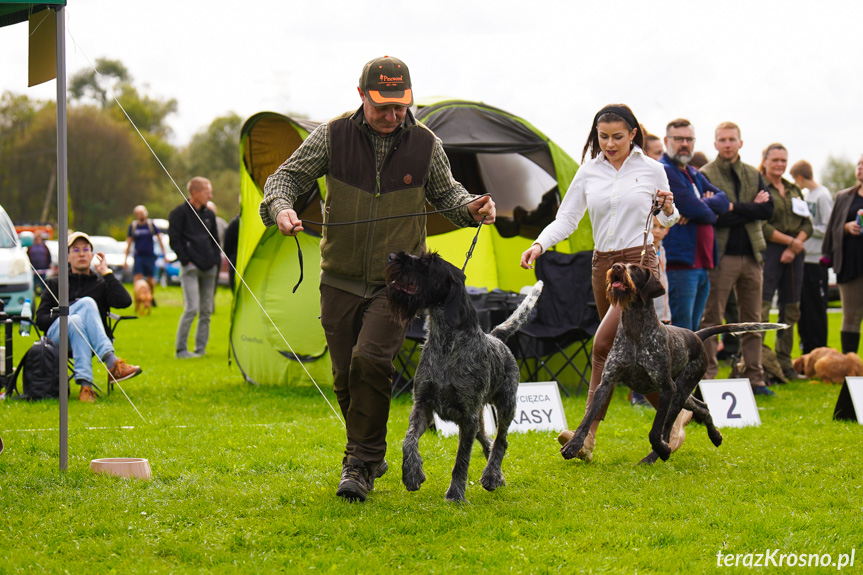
(842, 250)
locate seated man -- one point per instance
(91, 295)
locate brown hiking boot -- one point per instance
(87, 395)
(354, 485)
(380, 469)
(123, 371)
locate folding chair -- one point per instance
(490, 310)
(566, 320)
(113, 321)
(408, 357)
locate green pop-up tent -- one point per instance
(491, 151)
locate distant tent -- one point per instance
(491, 151)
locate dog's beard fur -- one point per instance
(402, 288)
(620, 290)
(419, 282)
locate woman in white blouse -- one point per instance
(618, 189)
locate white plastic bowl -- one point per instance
(122, 467)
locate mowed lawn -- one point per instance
(244, 481)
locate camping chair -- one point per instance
(491, 309)
(408, 357)
(565, 321)
(113, 321)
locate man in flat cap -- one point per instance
(377, 160)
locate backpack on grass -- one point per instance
(41, 367)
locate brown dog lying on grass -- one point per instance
(829, 365)
(648, 356)
(143, 297)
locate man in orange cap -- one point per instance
(377, 160)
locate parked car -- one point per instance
(114, 250)
(16, 277)
(53, 247)
(167, 266)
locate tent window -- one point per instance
(527, 197)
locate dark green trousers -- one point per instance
(363, 340)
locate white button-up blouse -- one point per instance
(617, 201)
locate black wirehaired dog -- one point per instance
(649, 356)
(461, 369)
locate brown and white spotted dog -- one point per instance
(648, 356)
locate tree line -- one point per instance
(110, 169)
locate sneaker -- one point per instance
(87, 395)
(792, 375)
(186, 354)
(354, 485)
(638, 399)
(762, 390)
(123, 371)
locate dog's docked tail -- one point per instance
(737, 329)
(518, 318)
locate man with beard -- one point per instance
(690, 246)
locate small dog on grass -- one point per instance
(649, 356)
(461, 369)
(829, 365)
(143, 297)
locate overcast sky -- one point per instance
(786, 71)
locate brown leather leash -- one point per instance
(657, 207)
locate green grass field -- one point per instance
(244, 481)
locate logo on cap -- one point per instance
(387, 81)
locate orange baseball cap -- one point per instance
(387, 81)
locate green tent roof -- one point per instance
(15, 11)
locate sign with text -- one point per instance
(446, 428)
(850, 402)
(731, 402)
(538, 408)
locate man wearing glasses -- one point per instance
(690, 245)
(92, 293)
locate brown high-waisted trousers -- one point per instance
(610, 316)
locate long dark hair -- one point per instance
(611, 113)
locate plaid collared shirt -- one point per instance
(312, 160)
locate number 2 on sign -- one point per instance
(731, 414)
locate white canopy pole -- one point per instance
(63, 252)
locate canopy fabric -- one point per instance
(16, 11)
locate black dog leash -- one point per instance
(414, 215)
